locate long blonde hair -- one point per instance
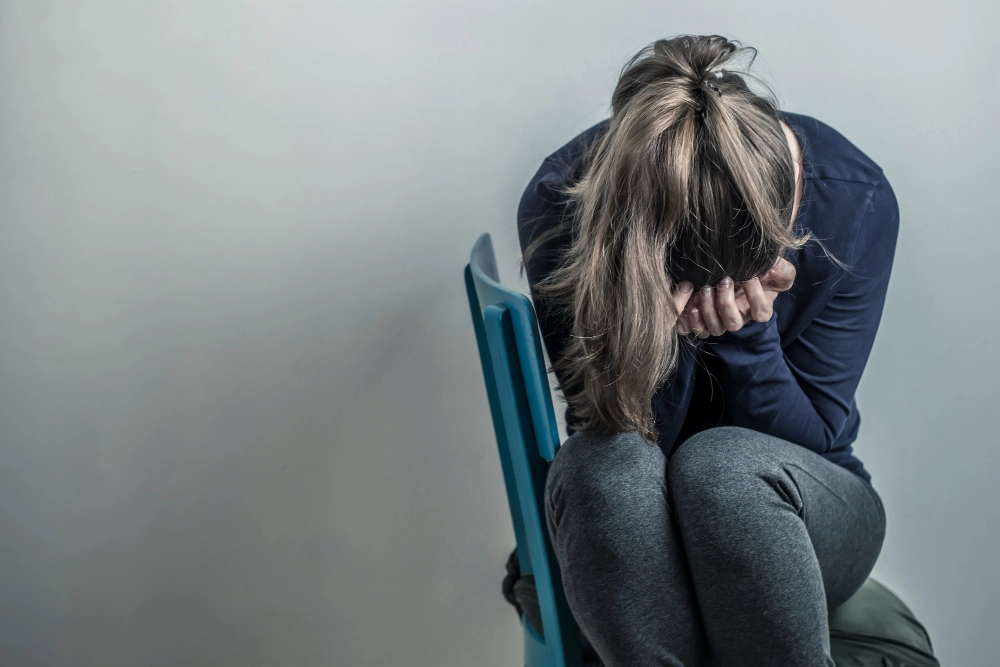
(693, 180)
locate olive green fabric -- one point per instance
(875, 628)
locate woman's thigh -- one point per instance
(742, 541)
(748, 497)
(622, 567)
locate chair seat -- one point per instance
(875, 627)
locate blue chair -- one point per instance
(874, 627)
(517, 385)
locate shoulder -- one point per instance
(832, 156)
(543, 200)
(851, 204)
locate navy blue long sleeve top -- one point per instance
(795, 375)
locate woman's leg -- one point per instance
(625, 575)
(775, 537)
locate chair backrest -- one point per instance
(527, 436)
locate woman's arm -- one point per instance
(803, 393)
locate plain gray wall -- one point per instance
(242, 418)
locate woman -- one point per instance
(709, 273)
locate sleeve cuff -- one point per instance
(752, 333)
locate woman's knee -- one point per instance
(717, 465)
(604, 474)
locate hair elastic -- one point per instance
(699, 111)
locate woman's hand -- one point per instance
(731, 308)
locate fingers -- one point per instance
(713, 312)
(709, 312)
(690, 320)
(743, 306)
(728, 312)
(760, 305)
(682, 327)
(697, 323)
(682, 295)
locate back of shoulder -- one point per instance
(833, 156)
(843, 174)
(543, 200)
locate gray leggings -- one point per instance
(731, 555)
